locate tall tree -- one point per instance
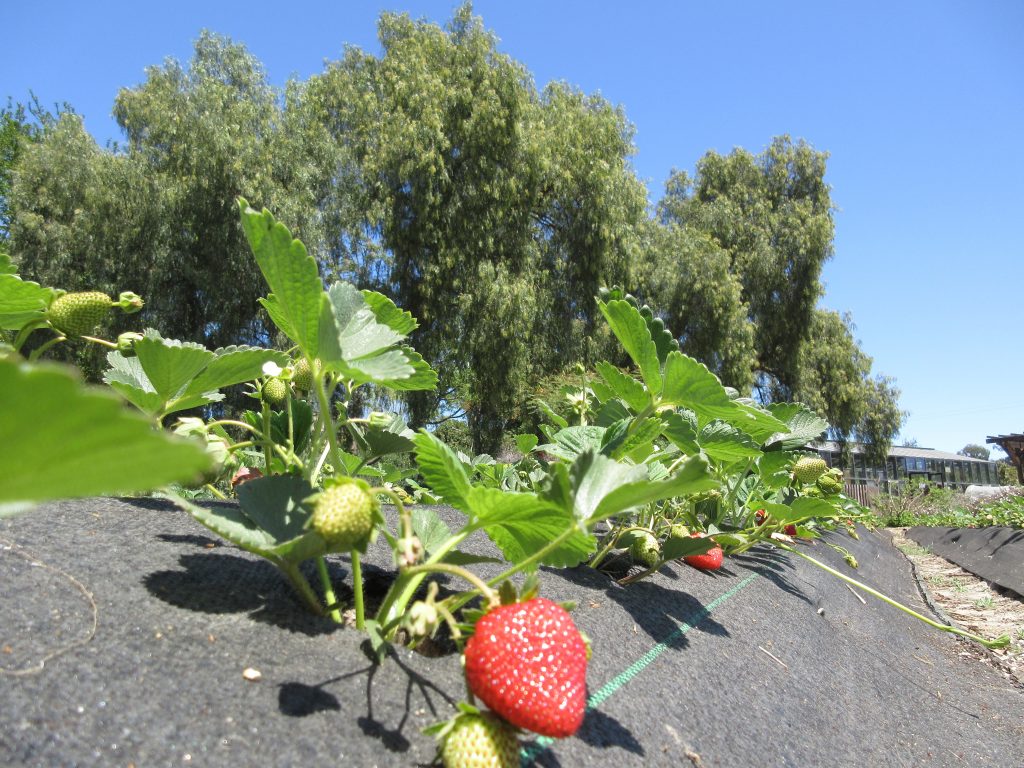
(685, 275)
(494, 212)
(835, 379)
(975, 451)
(157, 215)
(772, 213)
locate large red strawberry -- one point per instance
(709, 561)
(528, 663)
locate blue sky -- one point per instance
(920, 105)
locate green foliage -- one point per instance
(59, 439)
(912, 505)
(975, 451)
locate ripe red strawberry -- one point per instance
(528, 663)
(480, 741)
(709, 561)
(760, 516)
(791, 530)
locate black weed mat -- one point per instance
(770, 662)
(995, 554)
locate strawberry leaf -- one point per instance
(441, 468)
(724, 442)
(169, 364)
(692, 477)
(804, 425)
(430, 529)
(276, 504)
(386, 312)
(521, 524)
(632, 331)
(624, 386)
(22, 302)
(292, 275)
(572, 441)
(60, 439)
(234, 365)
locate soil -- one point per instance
(971, 603)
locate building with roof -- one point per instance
(948, 470)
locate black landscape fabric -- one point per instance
(995, 554)
(770, 662)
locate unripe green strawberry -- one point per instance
(679, 531)
(829, 484)
(275, 391)
(480, 741)
(78, 314)
(302, 375)
(343, 514)
(808, 469)
(645, 550)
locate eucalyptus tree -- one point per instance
(492, 211)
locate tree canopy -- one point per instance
(439, 174)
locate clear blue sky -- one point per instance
(920, 104)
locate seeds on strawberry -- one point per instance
(78, 314)
(302, 375)
(343, 514)
(480, 741)
(528, 663)
(808, 469)
(275, 391)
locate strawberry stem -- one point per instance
(357, 589)
(999, 642)
(329, 596)
(488, 594)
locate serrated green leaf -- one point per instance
(592, 477)
(382, 442)
(455, 557)
(430, 529)
(804, 426)
(525, 443)
(423, 377)
(611, 412)
(521, 524)
(231, 523)
(290, 272)
(388, 313)
(572, 441)
(21, 302)
(60, 439)
(808, 507)
(359, 334)
(276, 504)
(169, 364)
(680, 432)
(631, 330)
(773, 469)
(441, 468)
(723, 442)
(550, 414)
(624, 386)
(692, 477)
(675, 548)
(234, 365)
(638, 444)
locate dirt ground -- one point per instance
(972, 604)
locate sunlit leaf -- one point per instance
(60, 439)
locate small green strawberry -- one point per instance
(645, 550)
(344, 514)
(302, 375)
(78, 314)
(275, 391)
(808, 469)
(480, 741)
(831, 481)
